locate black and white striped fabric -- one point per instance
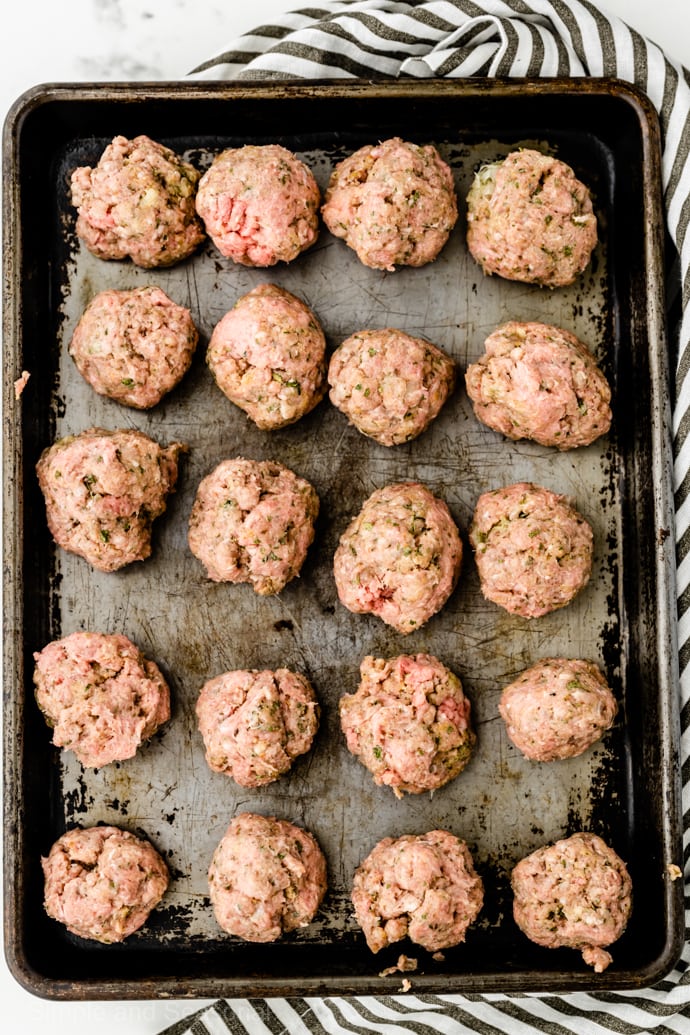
(426, 38)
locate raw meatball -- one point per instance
(260, 204)
(255, 724)
(20, 384)
(134, 346)
(575, 893)
(530, 219)
(408, 723)
(400, 557)
(393, 203)
(532, 548)
(253, 521)
(268, 356)
(557, 708)
(101, 696)
(102, 882)
(267, 877)
(103, 490)
(390, 385)
(540, 382)
(138, 202)
(424, 887)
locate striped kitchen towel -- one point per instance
(493, 38)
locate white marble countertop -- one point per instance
(164, 39)
(106, 40)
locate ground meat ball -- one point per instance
(253, 521)
(20, 384)
(103, 490)
(532, 548)
(390, 385)
(424, 887)
(267, 877)
(101, 696)
(400, 557)
(134, 346)
(268, 356)
(255, 724)
(557, 708)
(575, 893)
(260, 204)
(102, 882)
(530, 219)
(408, 723)
(540, 382)
(393, 203)
(138, 203)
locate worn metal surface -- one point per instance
(501, 804)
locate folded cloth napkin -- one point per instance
(494, 38)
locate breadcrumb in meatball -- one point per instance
(267, 355)
(260, 204)
(557, 708)
(393, 203)
(100, 695)
(576, 893)
(255, 724)
(422, 887)
(400, 557)
(138, 203)
(103, 490)
(134, 346)
(267, 877)
(390, 385)
(408, 723)
(530, 219)
(533, 549)
(253, 521)
(542, 383)
(103, 882)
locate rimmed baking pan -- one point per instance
(626, 788)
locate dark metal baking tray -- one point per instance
(626, 788)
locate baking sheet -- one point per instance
(501, 804)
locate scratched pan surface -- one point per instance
(625, 788)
